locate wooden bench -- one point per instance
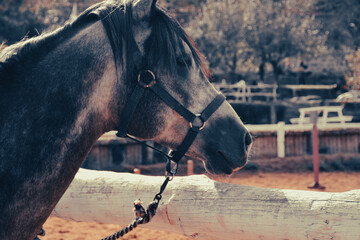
(304, 117)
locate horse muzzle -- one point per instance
(230, 153)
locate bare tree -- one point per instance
(276, 30)
(218, 32)
(340, 19)
(265, 31)
(30, 17)
(352, 75)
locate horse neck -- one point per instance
(52, 116)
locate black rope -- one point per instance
(142, 216)
(171, 170)
(149, 146)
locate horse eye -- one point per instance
(183, 61)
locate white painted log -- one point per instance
(198, 207)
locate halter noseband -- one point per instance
(147, 80)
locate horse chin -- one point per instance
(223, 166)
(213, 170)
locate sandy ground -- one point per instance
(58, 229)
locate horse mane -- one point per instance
(166, 37)
(16, 54)
(117, 20)
(162, 44)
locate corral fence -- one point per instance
(242, 93)
(111, 152)
(270, 141)
(280, 140)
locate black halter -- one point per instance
(147, 80)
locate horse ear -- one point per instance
(143, 8)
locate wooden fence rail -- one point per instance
(199, 207)
(242, 93)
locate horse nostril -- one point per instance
(248, 139)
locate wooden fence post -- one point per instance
(281, 139)
(315, 150)
(190, 167)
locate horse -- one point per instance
(60, 91)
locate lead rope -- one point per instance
(142, 216)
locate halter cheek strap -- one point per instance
(196, 125)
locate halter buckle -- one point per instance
(146, 79)
(197, 120)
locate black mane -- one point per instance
(166, 38)
(161, 46)
(117, 21)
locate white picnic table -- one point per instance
(323, 115)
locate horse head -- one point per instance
(161, 47)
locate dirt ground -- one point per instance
(58, 229)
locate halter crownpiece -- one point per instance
(197, 122)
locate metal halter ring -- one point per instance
(146, 84)
(199, 128)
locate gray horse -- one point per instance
(59, 92)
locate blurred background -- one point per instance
(273, 59)
(272, 41)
